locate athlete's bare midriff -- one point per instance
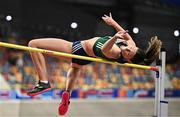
(88, 46)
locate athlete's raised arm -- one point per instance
(107, 47)
(110, 21)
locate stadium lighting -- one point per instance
(8, 18)
(135, 30)
(176, 33)
(74, 25)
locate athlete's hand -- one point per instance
(108, 19)
(121, 34)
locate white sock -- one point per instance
(44, 81)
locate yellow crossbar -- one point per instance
(25, 48)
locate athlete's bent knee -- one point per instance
(32, 43)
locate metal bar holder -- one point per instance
(161, 105)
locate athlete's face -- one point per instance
(128, 52)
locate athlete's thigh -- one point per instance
(53, 44)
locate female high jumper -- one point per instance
(120, 48)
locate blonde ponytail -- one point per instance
(153, 50)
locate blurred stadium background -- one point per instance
(101, 90)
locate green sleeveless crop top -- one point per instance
(97, 46)
(97, 49)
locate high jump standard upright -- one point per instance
(161, 106)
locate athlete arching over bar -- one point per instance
(120, 48)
